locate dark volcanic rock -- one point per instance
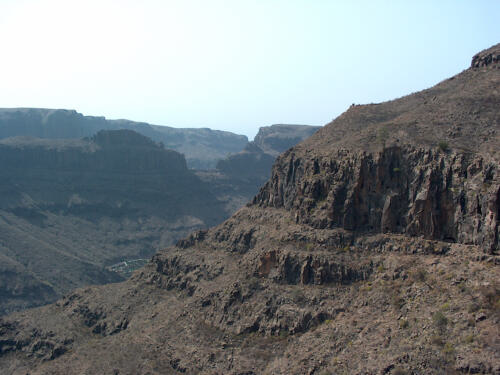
(373, 249)
(440, 195)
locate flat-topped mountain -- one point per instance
(275, 139)
(256, 159)
(202, 147)
(373, 249)
(70, 207)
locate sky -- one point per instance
(232, 65)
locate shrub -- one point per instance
(443, 146)
(491, 297)
(420, 275)
(448, 349)
(473, 307)
(437, 340)
(469, 339)
(284, 333)
(440, 320)
(403, 324)
(397, 301)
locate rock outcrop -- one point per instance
(373, 249)
(440, 195)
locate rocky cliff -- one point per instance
(239, 176)
(68, 208)
(438, 194)
(202, 147)
(373, 249)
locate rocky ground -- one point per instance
(373, 249)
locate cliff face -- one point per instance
(440, 195)
(243, 173)
(201, 147)
(68, 208)
(373, 249)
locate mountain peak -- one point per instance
(487, 57)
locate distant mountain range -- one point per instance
(202, 147)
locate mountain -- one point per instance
(202, 147)
(278, 138)
(68, 208)
(372, 249)
(257, 158)
(239, 176)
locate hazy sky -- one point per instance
(236, 64)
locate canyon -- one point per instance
(372, 249)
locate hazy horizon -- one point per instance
(232, 66)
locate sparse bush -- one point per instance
(403, 324)
(461, 287)
(469, 339)
(298, 297)
(420, 275)
(473, 307)
(397, 301)
(443, 146)
(440, 320)
(445, 306)
(491, 298)
(448, 349)
(437, 340)
(399, 371)
(366, 288)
